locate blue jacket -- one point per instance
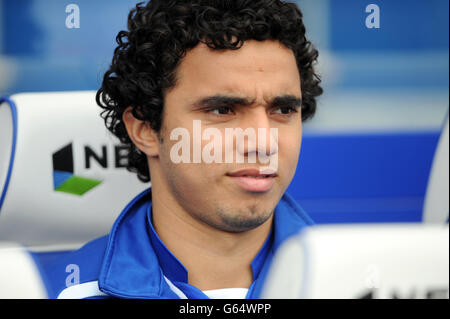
(132, 262)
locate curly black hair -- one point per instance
(162, 31)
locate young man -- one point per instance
(191, 82)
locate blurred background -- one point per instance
(367, 154)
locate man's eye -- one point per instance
(222, 110)
(285, 110)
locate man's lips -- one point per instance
(253, 180)
(253, 172)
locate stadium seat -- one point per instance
(63, 182)
(62, 174)
(19, 274)
(404, 261)
(436, 207)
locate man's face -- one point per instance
(256, 87)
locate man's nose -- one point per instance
(264, 142)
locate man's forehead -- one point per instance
(266, 65)
(259, 55)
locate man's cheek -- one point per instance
(288, 162)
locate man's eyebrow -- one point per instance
(224, 100)
(283, 100)
(221, 100)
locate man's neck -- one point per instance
(214, 259)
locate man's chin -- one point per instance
(243, 221)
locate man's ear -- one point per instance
(140, 132)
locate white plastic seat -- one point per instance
(62, 175)
(362, 261)
(19, 274)
(436, 207)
